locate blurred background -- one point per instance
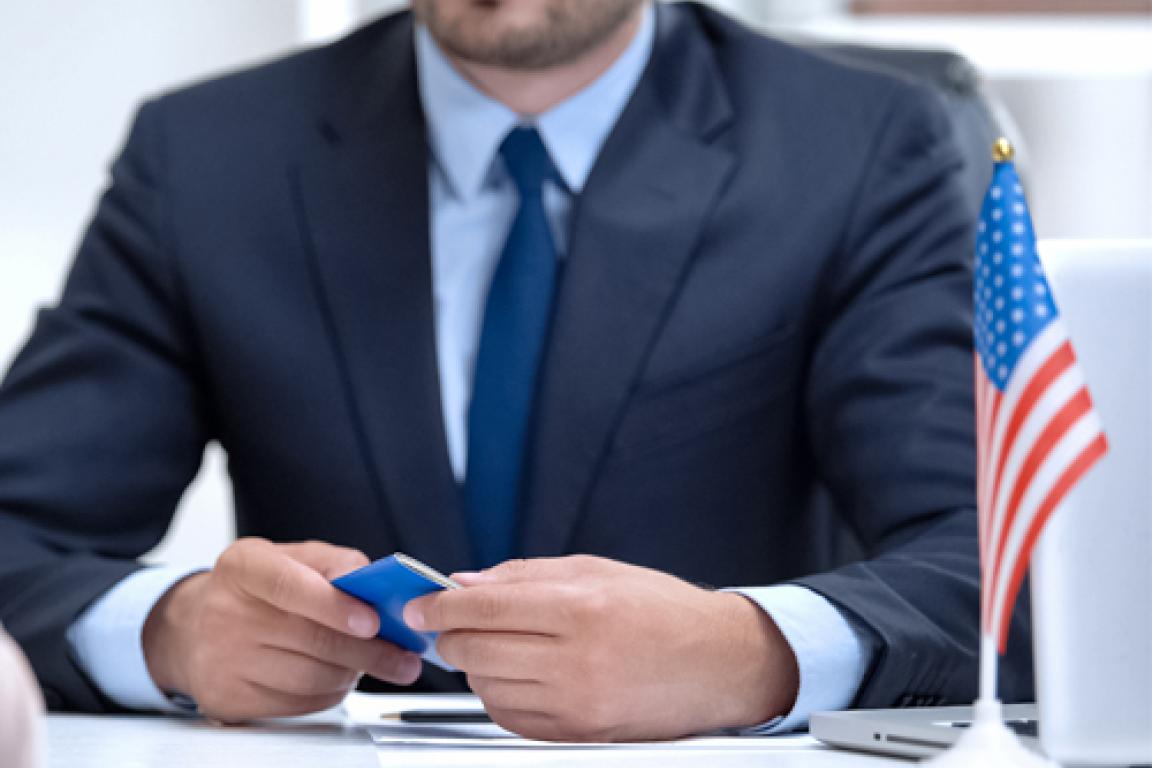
(1074, 76)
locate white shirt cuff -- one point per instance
(833, 655)
(107, 639)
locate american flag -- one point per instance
(1037, 430)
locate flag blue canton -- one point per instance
(1013, 299)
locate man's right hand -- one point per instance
(264, 633)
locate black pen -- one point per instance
(443, 716)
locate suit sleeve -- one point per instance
(101, 424)
(890, 416)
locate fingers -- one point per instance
(252, 700)
(265, 634)
(512, 695)
(533, 608)
(530, 709)
(292, 673)
(539, 725)
(266, 572)
(329, 560)
(378, 658)
(277, 704)
(536, 569)
(539, 569)
(502, 655)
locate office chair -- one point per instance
(977, 117)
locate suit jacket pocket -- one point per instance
(683, 405)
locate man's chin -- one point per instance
(528, 36)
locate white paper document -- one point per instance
(378, 714)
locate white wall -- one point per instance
(1090, 149)
(71, 74)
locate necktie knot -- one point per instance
(527, 159)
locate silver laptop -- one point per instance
(1092, 569)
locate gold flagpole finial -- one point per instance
(1002, 150)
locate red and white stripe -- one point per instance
(1034, 442)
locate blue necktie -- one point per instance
(516, 319)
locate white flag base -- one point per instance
(988, 743)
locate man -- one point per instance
(496, 286)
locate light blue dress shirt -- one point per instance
(473, 203)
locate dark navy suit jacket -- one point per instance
(767, 294)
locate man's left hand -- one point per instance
(588, 649)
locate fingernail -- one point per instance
(414, 617)
(362, 624)
(409, 669)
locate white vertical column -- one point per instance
(321, 20)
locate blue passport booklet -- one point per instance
(387, 585)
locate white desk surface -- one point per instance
(87, 741)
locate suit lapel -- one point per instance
(634, 230)
(364, 200)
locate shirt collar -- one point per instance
(466, 127)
